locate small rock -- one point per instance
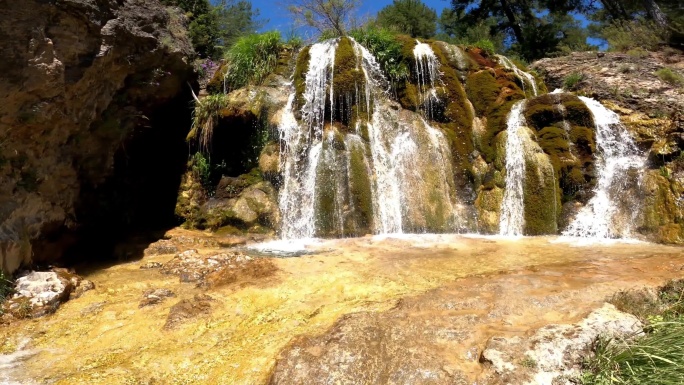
(188, 309)
(83, 286)
(160, 247)
(155, 296)
(151, 265)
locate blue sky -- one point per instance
(278, 17)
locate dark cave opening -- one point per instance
(135, 205)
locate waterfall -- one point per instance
(388, 173)
(524, 77)
(617, 156)
(513, 206)
(301, 147)
(427, 73)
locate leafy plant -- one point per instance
(669, 76)
(624, 35)
(486, 45)
(5, 286)
(201, 167)
(252, 58)
(571, 81)
(204, 119)
(382, 43)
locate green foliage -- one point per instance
(669, 76)
(456, 28)
(486, 46)
(213, 27)
(252, 58)
(624, 35)
(387, 50)
(5, 286)
(571, 81)
(654, 359)
(324, 15)
(201, 168)
(204, 119)
(409, 16)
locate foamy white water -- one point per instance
(512, 219)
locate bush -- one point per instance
(204, 119)
(5, 287)
(669, 76)
(486, 46)
(252, 58)
(626, 35)
(571, 81)
(387, 50)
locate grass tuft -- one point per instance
(204, 119)
(573, 80)
(252, 58)
(669, 76)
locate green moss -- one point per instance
(299, 77)
(348, 82)
(577, 113)
(483, 91)
(408, 96)
(458, 120)
(542, 112)
(215, 85)
(541, 196)
(360, 189)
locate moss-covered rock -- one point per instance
(662, 215)
(541, 195)
(299, 76)
(488, 205)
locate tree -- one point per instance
(409, 16)
(324, 15)
(213, 27)
(456, 29)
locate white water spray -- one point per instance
(525, 77)
(512, 219)
(617, 156)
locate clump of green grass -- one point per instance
(205, 117)
(5, 287)
(656, 358)
(252, 58)
(669, 76)
(486, 45)
(571, 81)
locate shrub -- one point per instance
(5, 286)
(571, 81)
(625, 35)
(486, 46)
(383, 44)
(252, 58)
(204, 119)
(201, 168)
(669, 76)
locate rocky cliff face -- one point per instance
(88, 92)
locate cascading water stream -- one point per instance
(388, 174)
(427, 72)
(617, 155)
(513, 208)
(522, 75)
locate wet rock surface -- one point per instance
(155, 296)
(188, 309)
